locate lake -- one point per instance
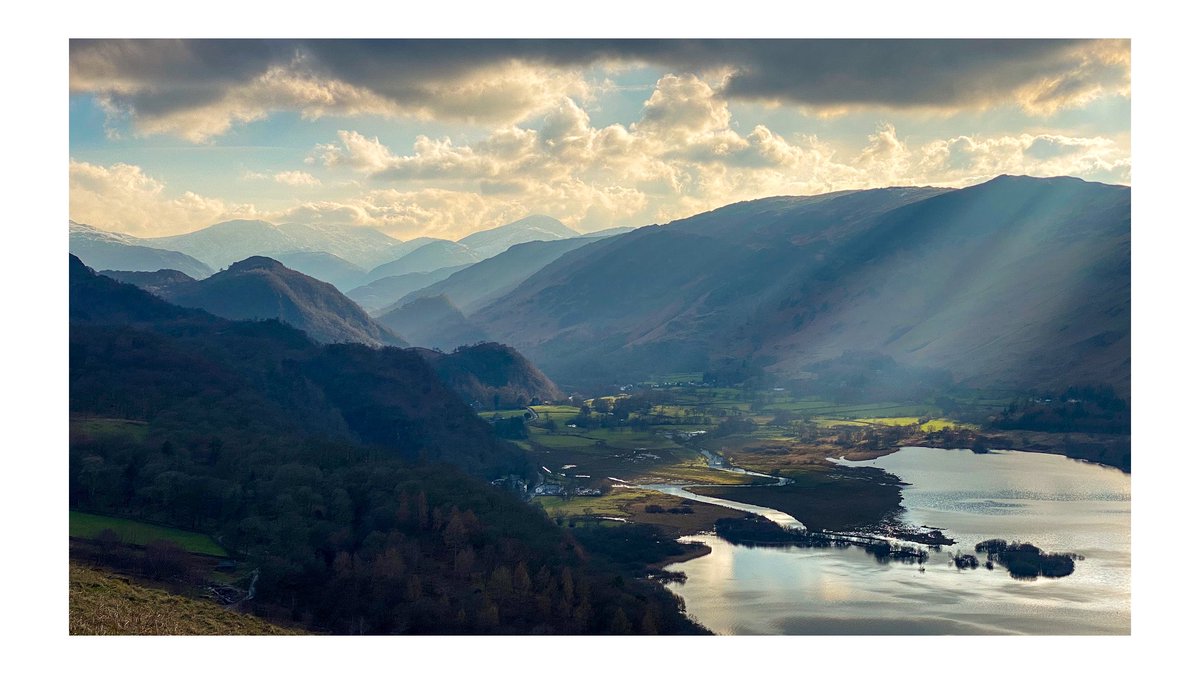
(1058, 504)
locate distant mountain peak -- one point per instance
(496, 240)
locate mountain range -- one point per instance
(348, 257)
(109, 250)
(1017, 282)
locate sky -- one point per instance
(447, 137)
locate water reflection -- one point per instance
(1055, 503)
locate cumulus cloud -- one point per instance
(681, 157)
(968, 159)
(200, 89)
(356, 151)
(122, 197)
(297, 179)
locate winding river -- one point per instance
(1055, 503)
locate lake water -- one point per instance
(1058, 504)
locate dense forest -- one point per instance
(350, 480)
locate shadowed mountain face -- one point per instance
(261, 288)
(473, 287)
(433, 322)
(108, 250)
(1017, 282)
(136, 356)
(492, 376)
(533, 228)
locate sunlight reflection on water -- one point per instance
(1055, 503)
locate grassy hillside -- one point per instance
(105, 603)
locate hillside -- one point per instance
(258, 288)
(324, 266)
(174, 356)
(157, 283)
(108, 250)
(1017, 282)
(429, 257)
(345, 477)
(385, 291)
(473, 287)
(492, 376)
(532, 228)
(433, 322)
(105, 603)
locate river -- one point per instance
(1056, 503)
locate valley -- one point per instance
(543, 434)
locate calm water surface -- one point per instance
(1055, 503)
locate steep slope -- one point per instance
(492, 376)
(387, 290)
(483, 282)
(325, 267)
(104, 603)
(136, 356)
(433, 322)
(109, 250)
(1017, 282)
(532, 228)
(434, 255)
(259, 287)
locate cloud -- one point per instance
(356, 151)
(122, 197)
(681, 157)
(968, 159)
(297, 179)
(202, 88)
(1042, 75)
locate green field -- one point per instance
(85, 525)
(929, 426)
(503, 414)
(559, 413)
